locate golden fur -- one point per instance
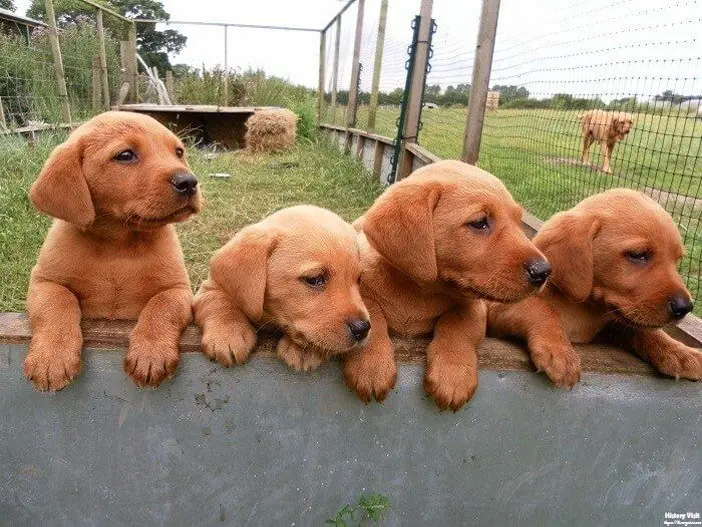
(425, 270)
(259, 279)
(614, 259)
(111, 251)
(607, 128)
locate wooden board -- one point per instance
(494, 354)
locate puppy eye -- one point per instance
(358, 280)
(317, 281)
(180, 152)
(479, 225)
(638, 256)
(125, 156)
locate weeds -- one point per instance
(369, 508)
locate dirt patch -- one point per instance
(665, 198)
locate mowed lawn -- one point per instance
(314, 173)
(536, 153)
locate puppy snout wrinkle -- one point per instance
(679, 306)
(185, 184)
(359, 328)
(538, 271)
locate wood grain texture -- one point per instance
(494, 354)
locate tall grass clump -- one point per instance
(28, 84)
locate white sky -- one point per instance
(610, 48)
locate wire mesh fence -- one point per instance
(29, 92)
(634, 64)
(617, 79)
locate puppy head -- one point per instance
(119, 167)
(619, 248)
(622, 123)
(300, 269)
(457, 224)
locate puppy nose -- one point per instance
(359, 329)
(679, 306)
(537, 271)
(184, 184)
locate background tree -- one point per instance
(7, 4)
(511, 93)
(153, 46)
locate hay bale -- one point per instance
(271, 130)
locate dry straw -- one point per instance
(271, 130)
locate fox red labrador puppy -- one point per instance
(296, 271)
(433, 246)
(113, 188)
(614, 259)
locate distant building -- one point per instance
(13, 23)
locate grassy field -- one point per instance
(536, 153)
(313, 173)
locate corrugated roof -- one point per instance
(6, 14)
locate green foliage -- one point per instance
(7, 4)
(194, 86)
(511, 93)
(154, 46)
(28, 83)
(372, 507)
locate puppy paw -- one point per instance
(229, 344)
(606, 170)
(297, 358)
(559, 361)
(370, 375)
(148, 363)
(450, 383)
(52, 364)
(680, 362)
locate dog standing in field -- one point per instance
(614, 259)
(298, 271)
(607, 128)
(433, 246)
(113, 188)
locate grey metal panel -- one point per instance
(258, 445)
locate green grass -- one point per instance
(536, 154)
(313, 172)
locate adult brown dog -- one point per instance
(614, 260)
(114, 187)
(298, 271)
(434, 245)
(607, 128)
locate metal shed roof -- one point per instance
(8, 15)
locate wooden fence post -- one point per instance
(335, 68)
(225, 86)
(377, 65)
(169, 86)
(482, 66)
(131, 62)
(103, 62)
(97, 85)
(352, 108)
(320, 83)
(58, 62)
(3, 122)
(414, 97)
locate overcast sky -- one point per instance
(606, 48)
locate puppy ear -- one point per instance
(240, 268)
(61, 190)
(400, 227)
(566, 241)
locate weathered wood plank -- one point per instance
(494, 354)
